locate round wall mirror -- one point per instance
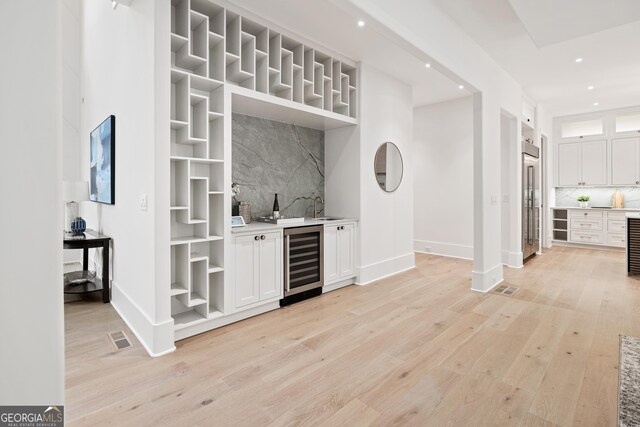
(388, 167)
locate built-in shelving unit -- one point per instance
(197, 162)
(214, 49)
(560, 225)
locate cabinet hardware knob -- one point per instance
(263, 237)
(257, 237)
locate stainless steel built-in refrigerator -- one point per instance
(530, 200)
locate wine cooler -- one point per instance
(303, 259)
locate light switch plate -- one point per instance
(143, 202)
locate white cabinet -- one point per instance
(569, 164)
(582, 163)
(258, 267)
(595, 227)
(338, 252)
(594, 163)
(625, 161)
(270, 261)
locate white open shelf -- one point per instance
(268, 74)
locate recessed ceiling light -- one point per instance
(427, 65)
(590, 87)
(461, 87)
(360, 23)
(595, 104)
(578, 60)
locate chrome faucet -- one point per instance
(315, 210)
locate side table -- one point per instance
(92, 239)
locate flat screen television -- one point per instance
(102, 184)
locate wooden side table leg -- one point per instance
(106, 287)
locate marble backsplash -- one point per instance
(272, 157)
(599, 196)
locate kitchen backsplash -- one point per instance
(599, 196)
(272, 157)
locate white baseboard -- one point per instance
(156, 338)
(339, 284)
(443, 249)
(389, 267)
(486, 280)
(218, 322)
(512, 259)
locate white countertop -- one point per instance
(597, 209)
(256, 226)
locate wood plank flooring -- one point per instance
(418, 348)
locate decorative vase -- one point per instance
(584, 204)
(78, 226)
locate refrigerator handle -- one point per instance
(531, 177)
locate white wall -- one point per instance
(31, 306)
(443, 178)
(71, 14)
(511, 195)
(121, 56)
(386, 219)
(385, 231)
(425, 30)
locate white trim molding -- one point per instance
(389, 267)
(156, 338)
(485, 281)
(512, 259)
(443, 249)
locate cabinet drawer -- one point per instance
(586, 237)
(616, 226)
(586, 224)
(616, 215)
(616, 239)
(585, 214)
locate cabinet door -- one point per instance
(246, 250)
(594, 162)
(569, 164)
(270, 266)
(331, 260)
(345, 251)
(624, 161)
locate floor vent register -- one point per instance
(119, 340)
(505, 290)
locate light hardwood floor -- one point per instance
(418, 348)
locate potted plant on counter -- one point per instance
(584, 201)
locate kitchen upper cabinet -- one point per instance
(569, 164)
(582, 163)
(594, 163)
(625, 161)
(258, 267)
(338, 252)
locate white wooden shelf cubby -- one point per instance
(211, 47)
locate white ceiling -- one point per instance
(331, 26)
(568, 29)
(553, 21)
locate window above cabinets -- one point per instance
(581, 128)
(627, 124)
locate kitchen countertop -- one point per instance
(256, 226)
(597, 209)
